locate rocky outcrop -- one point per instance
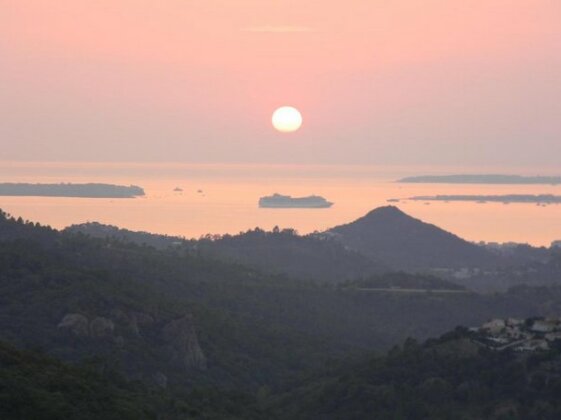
(134, 322)
(101, 327)
(183, 345)
(176, 340)
(79, 325)
(140, 321)
(76, 324)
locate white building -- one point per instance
(543, 326)
(494, 326)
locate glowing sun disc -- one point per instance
(287, 119)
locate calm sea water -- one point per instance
(223, 199)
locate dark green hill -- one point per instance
(38, 387)
(177, 321)
(405, 243)
(284, 251)
(275, 252)
(33, 386)
(12, 229)
(197, 321)
(102, 231)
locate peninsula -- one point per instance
(70, 190)
(508, 198)
(482, 179)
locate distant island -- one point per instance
(482, 179)
(509, 198)
(70, 190)
(286, 201)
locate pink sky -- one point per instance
(377, 81)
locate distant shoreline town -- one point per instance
(90, 190)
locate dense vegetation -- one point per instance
(403, 242)
(448, 378)
(385, 240)
(102, 231)
(276, 252)
(404, 281)
(34, 386)
(284, 251)
(254, 329)
(538, 272)
(191, 336)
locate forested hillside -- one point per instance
(34, 386)
(174, 321)
(403, 242)
(383, 241)
(449, 378)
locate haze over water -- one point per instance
(228, 201)
(377, 83)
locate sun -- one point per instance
(287, 119)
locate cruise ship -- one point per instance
(286, 201)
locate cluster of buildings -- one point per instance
(519, 335)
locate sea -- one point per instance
(192, 200)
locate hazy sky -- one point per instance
(377, 81)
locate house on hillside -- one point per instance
(521, 335)
(544, 326)
(494, 326)
(513, 322)
(553, 336)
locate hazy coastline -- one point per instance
(510, 198)
(91, 190)
(482, 179)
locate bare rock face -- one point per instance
(139, 321)
(183, 345)
(126, 319)
(76, 324)
(134, 322)
(101, 327)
